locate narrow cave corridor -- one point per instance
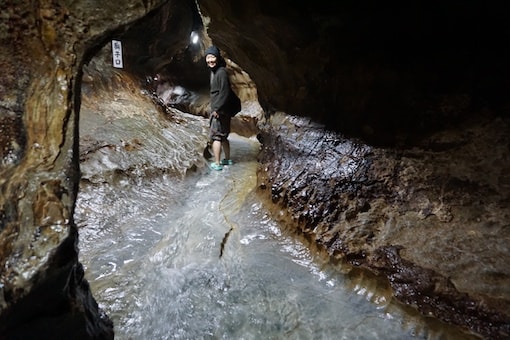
(381, 134)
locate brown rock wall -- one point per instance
(389, 73)
(43, 46)
(432, 219)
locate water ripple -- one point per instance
(154, 267)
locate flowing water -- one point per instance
(152, 250)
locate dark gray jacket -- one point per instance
(220, 89)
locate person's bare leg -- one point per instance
(216, 146)
(226, 148)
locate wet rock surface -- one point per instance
(433, 200)
(43, 45)
(124, 133)
(432, 219)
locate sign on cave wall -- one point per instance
(117, 53)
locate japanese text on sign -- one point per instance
(117, 53)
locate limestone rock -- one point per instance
(423, 189)
(43, 45)
(432, 219)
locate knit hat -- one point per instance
(213, 50)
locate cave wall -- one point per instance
(432, 220)
(388, 73)
(369, 68)
(43, 45)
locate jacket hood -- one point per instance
(215, 51)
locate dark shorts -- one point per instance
(219, 128)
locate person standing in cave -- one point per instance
(219, 117)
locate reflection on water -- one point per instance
(153, 263)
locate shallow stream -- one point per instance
(152, 250)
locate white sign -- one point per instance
(117, 53)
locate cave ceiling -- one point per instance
(368, 68)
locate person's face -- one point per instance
(211, 60)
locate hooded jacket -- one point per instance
(220, 83)
(220, 89)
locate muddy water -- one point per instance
(152, 250)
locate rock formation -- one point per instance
(43, 47)
(407, 105)
(431, 219)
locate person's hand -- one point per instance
(215, 114)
